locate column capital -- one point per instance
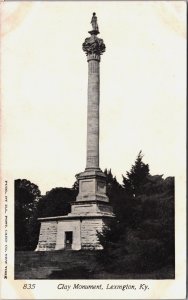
(93, 45)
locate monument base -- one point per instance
(90, 213)
(92, 186)
(72, 232)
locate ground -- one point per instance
(73, 265)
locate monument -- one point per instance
(91, 210)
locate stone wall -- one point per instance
(47, 237)
(89, 228)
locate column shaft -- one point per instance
(93, 115)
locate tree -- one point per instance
(27, 196)
(141, 237)
(56, 202)
(112, 185)
(114, 234)
(134, 180)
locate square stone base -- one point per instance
(84, 232)
(92, 186)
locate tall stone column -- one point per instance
(93, 47)
(93, 112)
(92, 182)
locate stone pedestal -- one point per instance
(92, 186)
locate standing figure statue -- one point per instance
(94, 22)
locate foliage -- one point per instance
(27, 196)
(56, 202)
(141, 237)
(137, 176)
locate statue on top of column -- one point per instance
(93, 44)
(94, 22)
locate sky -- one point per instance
(44, 88)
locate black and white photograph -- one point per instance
(94, 149)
